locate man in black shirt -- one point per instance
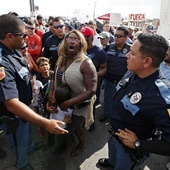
(53, 42)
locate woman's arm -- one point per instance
(102, 70)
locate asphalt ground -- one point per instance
(96, 148)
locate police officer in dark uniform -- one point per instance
(140, 107)
(16, 93)
(53, 42)
(116, 67)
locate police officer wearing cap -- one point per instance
(52, 43)
(16, 93)
(116, 67)
(140, 107)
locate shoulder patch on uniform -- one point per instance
(2, 73)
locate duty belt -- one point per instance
(112, 133)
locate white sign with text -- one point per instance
(115, 19)
(164, 27)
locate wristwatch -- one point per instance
(138, 144)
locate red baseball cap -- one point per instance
(87, 31)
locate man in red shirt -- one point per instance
(33, 41)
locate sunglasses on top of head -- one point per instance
(22, 35)
(119, 36)
(29, 28)
(59, 26)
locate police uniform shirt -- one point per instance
(142, 105)
(15, 82)
(45, 37)
(116, 62)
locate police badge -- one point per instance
(125, 50)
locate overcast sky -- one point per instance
(90, 7)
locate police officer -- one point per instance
(16, 93)
(116, 67)
(53, 42)
(140, 107)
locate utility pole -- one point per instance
(32, 9)
(94, 11)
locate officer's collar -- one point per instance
(6, 49)
(121, 48)
(18, 55)
(145, 82)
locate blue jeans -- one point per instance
(119, 158)
(109, 89)
(99, 85)
(20, 142)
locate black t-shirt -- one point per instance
(51, 49)
(97, 55)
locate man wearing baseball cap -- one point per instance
(87, 31)
(104, 39)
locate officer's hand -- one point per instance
(52, 126)
(127, 137)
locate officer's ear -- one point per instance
(147, 62)
(9, 36)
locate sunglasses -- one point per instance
(59, 26)
(74, 40)
(119, 36)
(29, 28)
(23, 48)
(22, 35)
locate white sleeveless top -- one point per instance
(74, 79)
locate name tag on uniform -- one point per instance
(111, 52)
(53, 48)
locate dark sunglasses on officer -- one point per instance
(22, 35)
(119, 36)
(59, 26)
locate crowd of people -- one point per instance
(72, 63)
